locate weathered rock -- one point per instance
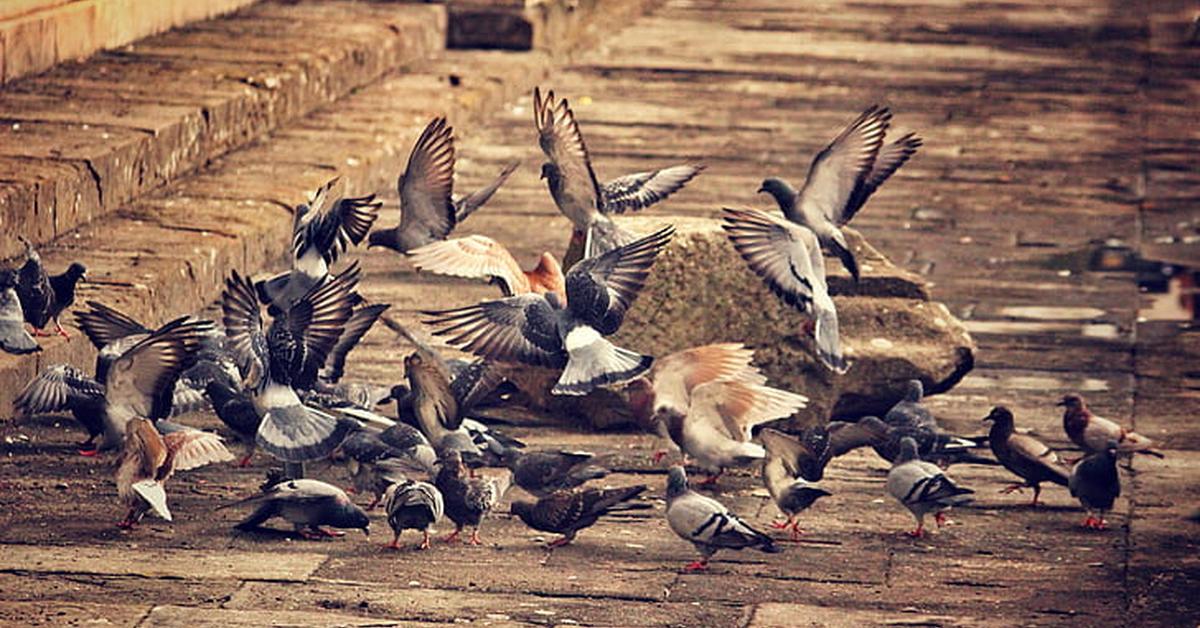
(701, 291)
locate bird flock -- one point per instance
(273, 367)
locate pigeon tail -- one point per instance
(299, 434)
(842, 251)
(594, 361)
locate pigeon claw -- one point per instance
(244, 462)
(696, 565)
(566, 540)
(89, 453)
(425, 542)
(940, 519)
(451, 538)
(395, 544)
(1094, 523)
(474, 540)
(918, 533)
(711, 480)
(658, 456)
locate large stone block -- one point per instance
(701, 291)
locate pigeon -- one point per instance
(539, 330)
(541, 473)
(434, 406)
(286, 355)
(841, 179)
(1092, 433)
(307, 505)
(1024, 455)
(908, 412)
(803, 456)
(412, 505)
(845, 436)
(13, 336)
(44, 297)
(321, 231)
(480, 257)
(375, 465)
(1095, 482)
(428, 209)
(792, 493)
(360, 322)
(715, 428)
(668, 385)
(63, 387)
(236, 410)
(933, 445)
(567, 512)
(922, 487)
(788, 258)
(149, 459)
(707, 523)
(467, 499)
(578, 193)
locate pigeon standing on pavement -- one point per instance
(567, 512)
(909, 412)
(788, 258)
(412, 505)
(307, 505)
(541, 473)
(1092, 433)
(428, 209)
(149, 459)
(480, 257)
(577, 192)
(467, 499)
(789, 470)
(541, 331)
(707, 523)
(1096, 483)
(922, 488)
(1027, 457)
(13, 336)
(44, 297)
(841, 179)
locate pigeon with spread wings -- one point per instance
(841, 179)
(539, 330)
(578, 193)
(788, 258)
(480, 257)
(149, 459)
(286, 354)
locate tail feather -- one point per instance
(598, 363)
(300, 434)
(847, 256)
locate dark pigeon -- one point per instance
(45, 297)
(1096, 484)
(541, 473)
(412, 505)
(1029, 458)
(569, 511)
(467, 499)
(236, 410)
(64, 388)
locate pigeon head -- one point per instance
(1000, 416)
(549, 171)
(913, 390)
(76, 271)
(8, 278)
(1072, 402)
(779, 189)
(347, 515)
(908, 450)
(677, 483)
(639, 395)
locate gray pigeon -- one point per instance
(44, 297)
(788, 258)
(429, 211)
(1027, 457)
(539, 330)
(909, 412)
(567, 512)
(13, 337)
(922, 487)
(541, 473)
(467, 499)
(374, 464)
(321, 231)
(841, 179)
(1096, 484)
(412, 506)
(707, 523)
(783, 473)
(307, 505)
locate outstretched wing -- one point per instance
(736, 407)
(320, 317)
(839, 170)
(59, 388)
(427, 209)
(475, 257)
(242, 318)
(785, 255)
(522, 328)
(467, 205)
(640, 190)
(890, 158)
(561, 141)
(105, 325)
(143, 378)
(333, 222)
(601, 289)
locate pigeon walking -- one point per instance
(841, 179)
(1096, 483)
(707, 524)
(567, 512)
(539, 330)
(412, 505)
(922, 488)
(1027, 457)
(1092, 433)
(13, 336)
(429, 211)
(480, 257)
(307, 505)
(149, 459)
(44, 297)
(467, 499)
(791, 494)
(788, 258)
(541, 473)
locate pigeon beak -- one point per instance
(761, 190)
(366, 532)
(1061, 403)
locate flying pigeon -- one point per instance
(428, 209)
(13, 337)
(467, 499)
(541, 473)
(480, 257)
(841, 179)
(707, 523)
(285, 355)
(788, 258)
(321, 231)
(577, 192)
(149, 459)
(567, 512)
(541, 331)
(1092, 433)
(307, 505)
(236, 410)
(790, 491)
(1096, 483)
(1024, 455)
(44, 297)
(412, 505)
(922, 487)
